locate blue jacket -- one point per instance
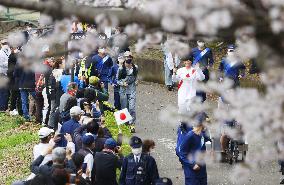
(189, 148)
(103, 65)
(206, 60)
(68, 127)
(182, 131)
(232, 71)
(66, 79)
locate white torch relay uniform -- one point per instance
(187, 79)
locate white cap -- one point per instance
(127, 54)
(44, 132)
(75, 111)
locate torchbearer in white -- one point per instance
(187, 78)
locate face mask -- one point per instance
(200, 44)
(128, 61)
(230, 53)
(102, 51)
(80, 55)
(80, 28)
(137, 151)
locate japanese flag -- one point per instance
(122, 116)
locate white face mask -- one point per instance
(201, 44)
(80, 55)
(230, 54)
(137, 151)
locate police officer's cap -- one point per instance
(164, 181)
(135, 142)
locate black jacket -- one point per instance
(11, 67)
(24, 79)
(147, 167)
(105, 167)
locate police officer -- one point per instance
(138, 168)
(127, 80)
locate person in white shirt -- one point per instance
(45, 135)
(171, 61)
(46, 141)
(88, 141)
(187, 77)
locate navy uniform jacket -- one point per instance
(68, 127)
(103, 65)
(189, 148)
(113, 77)
(232, 71)
(130, 174)
(206, 60)
(183, 129)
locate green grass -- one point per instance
(17, 139)
(16, 142)
(8, 123)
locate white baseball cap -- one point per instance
(44, 132)
(127, 53)
(75, 111)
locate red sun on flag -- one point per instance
(122, 116)
(188, 75)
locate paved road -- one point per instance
(152, 98)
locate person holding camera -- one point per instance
(127, 80)
(96, 92)
(106, 163)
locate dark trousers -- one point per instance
(4, 98)
(48, 111)
(15, 101)
(54, 115)
(117, 100)
(39, 106)
(196, 181)
(202, 94)
(192, 179)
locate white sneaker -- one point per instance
(14, 112)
